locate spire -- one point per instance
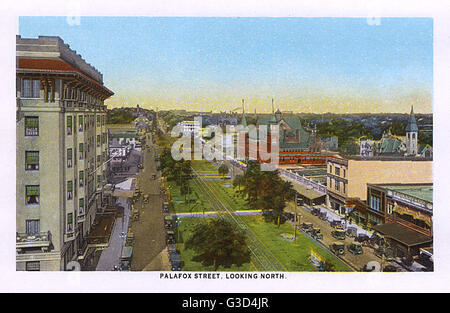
(243, 120)
(412, 124)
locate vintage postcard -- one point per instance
(232, 149)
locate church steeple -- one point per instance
(411, 134)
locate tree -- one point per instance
(265, 190)
(223, 170)
(218, 243)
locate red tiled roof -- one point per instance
(53, 65)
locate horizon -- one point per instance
(308, 65)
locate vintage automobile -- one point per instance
(338, 234)
(355, 248)
(316, 234)
(337, 224)
(170, 237)
(352, 232)
(362, 238)
(306, 227)
(165, 207)
(125, 259)
(172, 249)
(146, 198)
(315, 211)
(176, 262)
(168, 221)
(323, 216)
(338, 248)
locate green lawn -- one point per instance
(184, 232)
(203, 166)
(292, 255)
(196, 201)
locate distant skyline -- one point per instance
(308, 65)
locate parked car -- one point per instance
(170, 237)
(165, 207)
(171, 248)
(306, 227)
(337, 224)
(315, 212)
(362, 238)
(338, 248)
(176, 262)
(323, 216)
(352, 232)
(338, 234)
(146, 198)
(168, 221)
(316, 234)
(355, 248)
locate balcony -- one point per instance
(42, 240)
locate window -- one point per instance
(98, 140)
(336, 185)
(80, 123)
(81, 178)
(337, 171)
(69, 190)
(31, 126)
(98, 160)
(69, 157)
(69, 125)
(390, 208)
(31, 88)
(33, 266)
(81, 150)
(344, 185)
(81, 206)
(98, 120)
(330, 169)
(70, 222)
(32, 194)
(32, 227)
(375, 203)
(31, 160)
(344, 172)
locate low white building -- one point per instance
(189, 127)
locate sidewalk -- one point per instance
(111, 256)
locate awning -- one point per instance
(308, 193)
(402, 234)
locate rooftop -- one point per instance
(419, 191)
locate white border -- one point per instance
(12, 281)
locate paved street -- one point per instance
(358, 261)
(149, 231)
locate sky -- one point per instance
(308, 65)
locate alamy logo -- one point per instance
(237, 143)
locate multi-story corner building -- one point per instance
(61, 149)
(347, 178)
